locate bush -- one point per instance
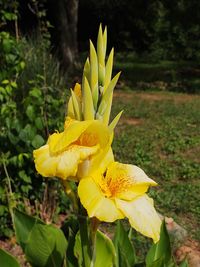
(32, 99)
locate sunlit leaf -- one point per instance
(94, 74)
(44, 245)
(6, 260)
(160, 250)
(101, 56)
(105, 251)
(115, 121)
(88, 107)
(76, 106)
(108, 70)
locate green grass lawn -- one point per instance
(159, 132)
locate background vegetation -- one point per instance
(42, 49)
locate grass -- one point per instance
(159, 132)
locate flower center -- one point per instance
(113, 186)
(87, 139)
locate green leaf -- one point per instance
(78, 250)
(36, 92)
(101, 57)
(70, 229)
(109, 67)
(115, 121)
(162, 249)
(3, 210)
(184, 264)
(28, 133)
(5, 82)
(76, 106)
(13, 139)
(30, 113)
(88, 107)
(6, 260)
(94, 74)
(105, 251)
(159, 263)
(24, 176)
(39, 123)
(23, 226)
(86, 71)
(44, 245)
(37, 141)
(126, 256)
(107, 97)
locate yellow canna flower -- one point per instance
(120, 192)
(80, 146)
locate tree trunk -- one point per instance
(65, 13)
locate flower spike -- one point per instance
(94, 74)
(88, 107)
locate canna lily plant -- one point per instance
(100, 189)
(107, 190)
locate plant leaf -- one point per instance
(108, 70)
(7, 260)
(126, 256)
(105, 41)
(184, 264)
(105, 251)
(44, 245)
(115, 121)
(94, 75)
(86, 70)
(23, 224)
(76, 106)
(162, 249)
(70, 229)
(101, 56)
(37, 141)
(70, 109)
(106, 102)
(88, 107)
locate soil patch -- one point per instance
(130, 121)
(11, 247)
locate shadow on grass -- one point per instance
(183, 76)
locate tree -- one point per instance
(64, 16)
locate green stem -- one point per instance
(93, 230)
(86, 253)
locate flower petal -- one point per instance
(102, 133)
(134, 182)
(133, 192)
(45, 164)
(58, 144)
(95, 203)
(99, 162)
(70, 159)
(64, 164)
(142, 216)
(132, 172)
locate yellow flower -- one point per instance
(120, 192)
(78, 148)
